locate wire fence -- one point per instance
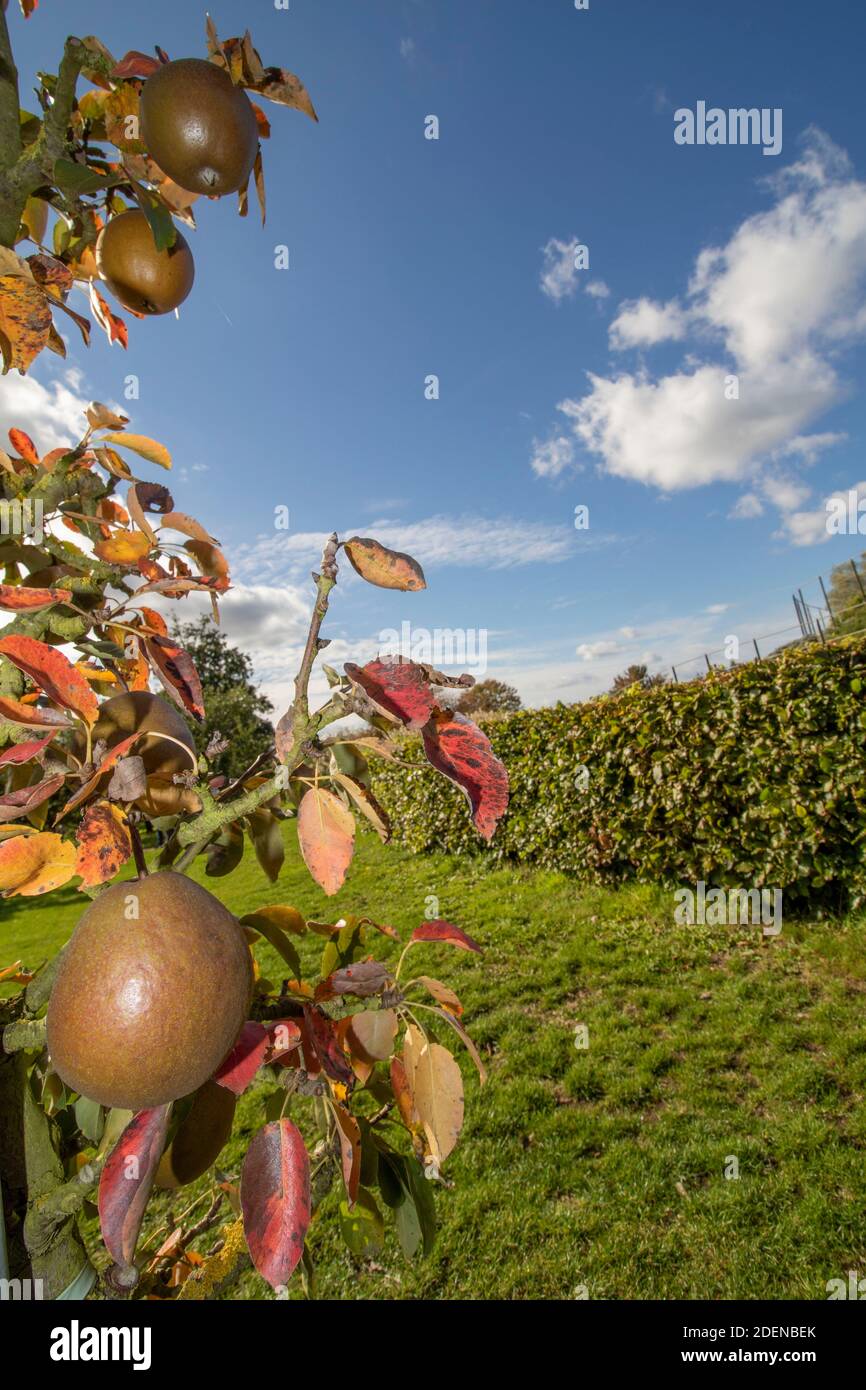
(815, 623)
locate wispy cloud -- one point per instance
(471, 542)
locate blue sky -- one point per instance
(600, 387)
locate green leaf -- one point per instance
(161, 223)
(362, 1227)
(77, 178)
(90, 1118)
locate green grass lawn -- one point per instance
(602, 1167)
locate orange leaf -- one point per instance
(387, 569)
(326, 832)
(25, 321)
(211, 561)
(104, 844)
(25, 446)
(31, 717)
(18, 598)
(113, 325)
(53, 673)
(34, 864)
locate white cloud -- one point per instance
(407, 50)
(560, 278)
(810, 527)
(747, 507)
(643, 323)
(52, 413)
(590, 651)
(680, 431)
(779, 299)
(785, 493)
(716, 608)
(550, 457)
(807, 448)
(629, 633)
(598, 289)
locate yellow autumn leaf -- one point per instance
(34, 864)
(140, 444)
(437, 1087)
(95, 674)
(123, 548)
(25, 321)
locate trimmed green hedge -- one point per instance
(754, 777)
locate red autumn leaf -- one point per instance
(31, 716)
(321, 1038)
(153, 497)
(326, 833)
(364, 979)
(53, 673)
(245, 1058)
(275, 1200)
(397, 687)
(447, 932)
(18, 598)
(134, 64)
(127, 1179)
(350, 1150)
(104, 844)
(387, 569)
(16, 804)
(23, 752)
(461, 752)
(177, 672)
(24, 446)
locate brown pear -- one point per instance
(199, 127)
(137, 710)
(200, 1136)
(151, 993)
(140, 277)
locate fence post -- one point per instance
(755, 645)
(827, 601)
(857, 577)
(821, 630)
(676, 677)
(707, 660)
(810, 626)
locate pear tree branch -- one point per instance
(196, 834)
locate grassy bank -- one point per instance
(603, 1167)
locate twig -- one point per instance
(196, 834)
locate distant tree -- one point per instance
(235, 708)
(846, 597)
(489, 697)
(636, 675)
